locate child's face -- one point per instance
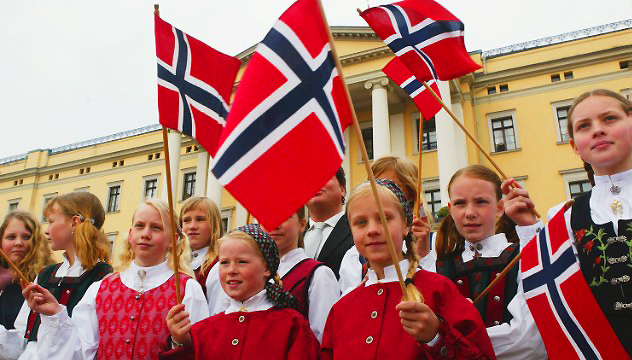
(16, 240)
(60, 229)
(474, 207)
(242, 270)
(603, 134)
(368, 231)
(147, 237)
(196, 225)
(286, 235)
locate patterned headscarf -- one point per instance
(408, 208)
(270, 252)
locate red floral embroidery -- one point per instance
(588, 246)
(580, 235)
(598, 260)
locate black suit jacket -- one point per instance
(336, 245)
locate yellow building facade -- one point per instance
(515, 106)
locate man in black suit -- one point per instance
(328, 235)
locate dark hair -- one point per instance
(340, 176)
(449, 240)
(626, 105)
(301, 216)
(590, 172)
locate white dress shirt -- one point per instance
(491, 247)
(197, 257)
(330, 224)
(12, 342)
(258, 302)
(323, 291)
(63, 337)
(217, 298)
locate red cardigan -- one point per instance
(270, 334)
(365, 325)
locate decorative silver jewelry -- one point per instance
(615, 190)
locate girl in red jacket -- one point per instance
(372, 321)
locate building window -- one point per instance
(111, 241)
(367, 136)
(81, 171)
(188, 149)
(578, 187)
(503, 131)
(433, 198)
(429, 136)
(627, 93)
(157, 156)
(150, 157)
(114, 198)
(47, 199)
(227, 217)
(623, 64)
(555, 78)
(568, 75)
(561, 113)
(13, 205)
(491, 90)
(151, 188)
(503, 88)
(188, 185)
(82, 189)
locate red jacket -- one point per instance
(365, 325)
(270, 334)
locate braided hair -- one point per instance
(274, 292)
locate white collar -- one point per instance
(154, 276)
(289, 260)
(606, 181)
(257, 302)
(492, 246)
(390, 274)
(332, 221)
(71, 271)
(198, 256)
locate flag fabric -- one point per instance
(426, 103)
(568, 317)
(195, 82)
(426, 36)
(283, 138)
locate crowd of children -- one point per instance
(255, 293)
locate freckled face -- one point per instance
(242, 270)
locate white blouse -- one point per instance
(13, 345)
(323, 291)
(198, 256)
(63, 337)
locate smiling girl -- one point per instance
(260, 321)
(372, 321)
(23, 241)
(123, 315)
(600, 221)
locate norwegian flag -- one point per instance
(567, 315)
(194, 84)
(426, 103)
(426, 36)
(283, 138)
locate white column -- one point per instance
(200, 173)
(398, 135)
(241, 214)
(175, 142)
(381, 126)
(214, 189)
(451, 150)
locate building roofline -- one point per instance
(558, 39)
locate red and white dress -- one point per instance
(252, 329)
(121, 317)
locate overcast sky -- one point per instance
(74, 70)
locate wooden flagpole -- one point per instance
(365, 157)
(14, 268)
(174, 236)
(418, 201)
(248, 218)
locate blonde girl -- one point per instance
(75, 224)
(123, 315)
(260, 321)
(371, 322)
(201, 222)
